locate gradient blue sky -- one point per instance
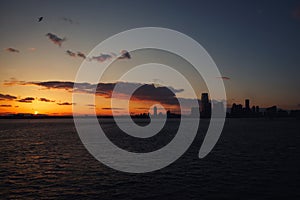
(255, 43)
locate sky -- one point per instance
(255, 45)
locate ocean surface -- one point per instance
(253, 159)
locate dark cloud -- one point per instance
(55, 39)
(67, 85)
(46, 100)
(159, 94)
(65, 104)
(224, 77)
(70, 53)
(7, 97)
(105, 89)
(112, 108)
(5, 105)
(145, 92)
(12, 50)
(157, 82)
(26, 100)
(142, 108)
(80, 54)
(13, 81)
(149, 92)
(125, 55)
(108, 56)
(102, 57)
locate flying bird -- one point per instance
(40, 19)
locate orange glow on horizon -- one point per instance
(102, 107)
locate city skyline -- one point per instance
(254, 44)
(204, 108)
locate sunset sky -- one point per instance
(255, 45)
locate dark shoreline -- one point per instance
(134, 117)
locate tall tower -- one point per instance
(155, 111)
(205, 105)
(247, 104)
(204, 98)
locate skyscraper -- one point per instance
(204, 98)
(247, 104)
(205, 106)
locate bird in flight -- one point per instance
(40, 19)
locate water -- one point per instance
(254, 159)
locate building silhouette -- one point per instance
(237, 110)
(247, 105)
(257, 109)
(271, 112)
(205, 108)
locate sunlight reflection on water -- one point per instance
(46, 159)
